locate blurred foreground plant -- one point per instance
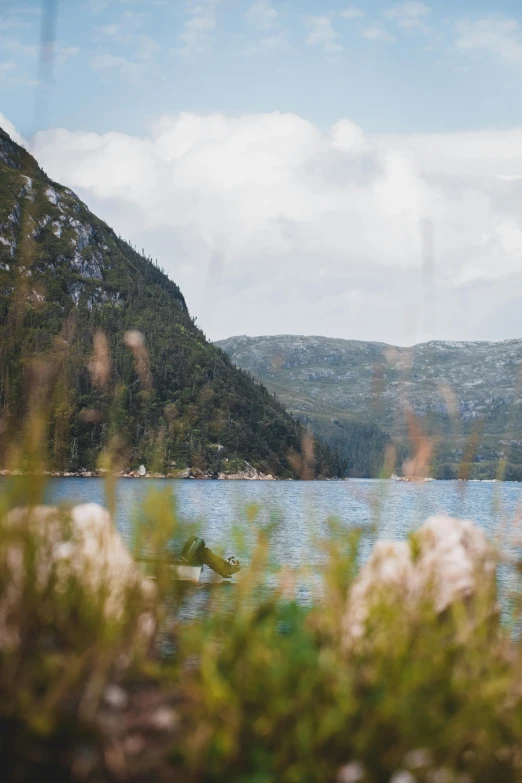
(279, 696)
(265, 689)
(252, 685)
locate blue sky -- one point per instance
(282, 159)
(391, 67)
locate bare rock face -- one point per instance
(446, 561)
(248, 473)
(80, 546)
(181, 474)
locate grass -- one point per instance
(263, 688)
(254, 687)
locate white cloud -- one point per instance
(322, 34)
(7, 68)
(267, 20)
(127, 30)
(262, 15)
(9, 128)
(496, 35)
(13, 77)
(19, 18)
(24, 52)
(123, 30)
(468, 155)
(316, 232)
(96, 6)
(16, 47)
(410, 15)
(351, 13)
(197, 36)
(110, 63)
(15, 70)
(63, 53)
(267, 44)
(377, 33)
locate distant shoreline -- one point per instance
(233, 477)
(134, 475)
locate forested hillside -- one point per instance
(465, 397)
(123, 362)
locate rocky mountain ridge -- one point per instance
(454, 389)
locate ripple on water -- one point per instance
(300, 510)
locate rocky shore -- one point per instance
(248, 473)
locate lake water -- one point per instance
(381, 508)
(303, 508)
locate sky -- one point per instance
(315, 167)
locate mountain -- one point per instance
(466, 396)
(121, 361)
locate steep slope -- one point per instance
(466, 395)
(156, 390)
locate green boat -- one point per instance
(188, 565)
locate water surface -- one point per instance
(381, 508)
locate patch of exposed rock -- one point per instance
(248, 473)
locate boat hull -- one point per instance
(180, 572)
(186, 573)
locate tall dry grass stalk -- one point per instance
(100, 364)
(419, 465)
(304, 463)
(135, 341)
